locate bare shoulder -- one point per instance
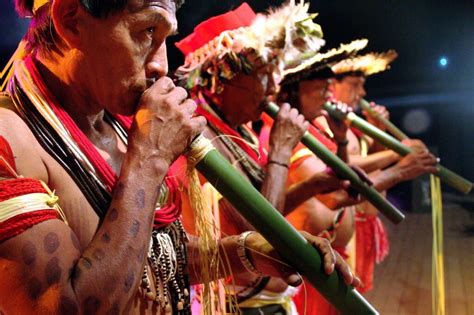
(27, 151)
(32, 161)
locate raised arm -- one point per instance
(408, 168)
(286, 133)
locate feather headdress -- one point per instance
(308, 65)
(244, 41)
(368, 64)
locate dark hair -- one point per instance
(290, 93)
(41, 33)
(289, 88)
(341, 76)
(102, 8)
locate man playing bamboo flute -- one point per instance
(230, 76)
(116, 244)
(306, 86)
(348, 86)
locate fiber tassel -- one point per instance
(208, 245)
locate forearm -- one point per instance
(337, 199)
(375, 161)
(381, 181)
(377, 147)
(386, 179)
(302, 191)
(276, 175)
(342, 151)
(117, 252)
(274, 185)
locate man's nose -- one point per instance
(271, 85)
(157, 64)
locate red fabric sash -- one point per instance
(260, 158)
(165, 215)
(372, 247)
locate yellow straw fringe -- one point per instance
(437, 278)
(208, 244)
(205, 218)
(7, 71)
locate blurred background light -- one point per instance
(443, 62)
(416, 121)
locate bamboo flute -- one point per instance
(345, 172)
(394, 130)
(277, 231)
(446, 175)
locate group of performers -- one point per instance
(97, 209)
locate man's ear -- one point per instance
(65, 15)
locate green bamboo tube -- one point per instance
(394, 130)
(447, 176)
(280, 234)
(345, 172)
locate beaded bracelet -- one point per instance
(242, 253)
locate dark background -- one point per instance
(420, 94)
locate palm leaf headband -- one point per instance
(368, 64)
(307, 65)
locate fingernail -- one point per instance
(329, 268)
(350, 278)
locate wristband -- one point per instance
(242, 253)
(278, 163)
(342, 143)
